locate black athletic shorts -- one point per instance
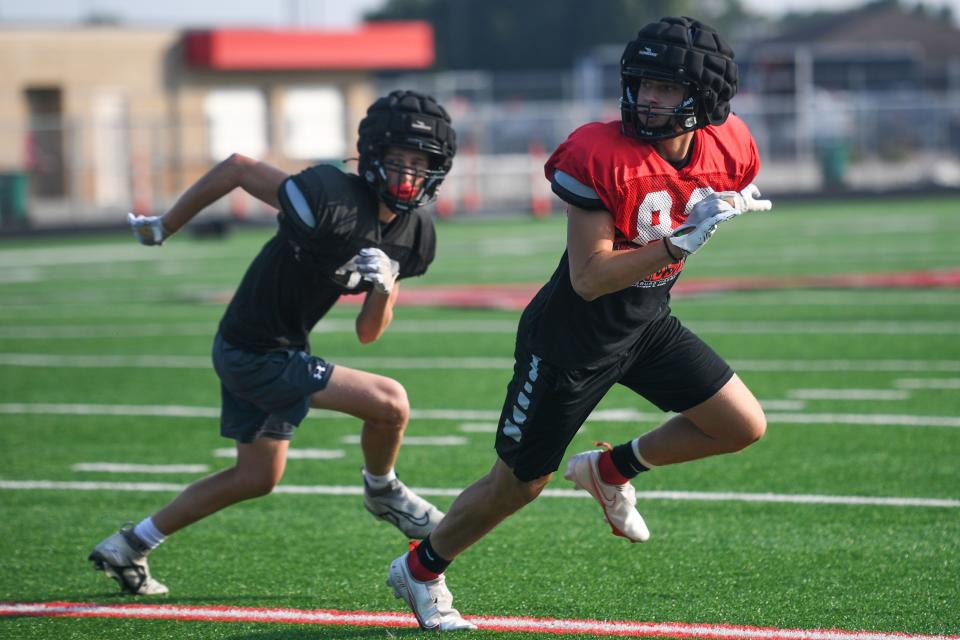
(546, 405)
(265, 394)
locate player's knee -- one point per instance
(263, 486)
(394, 409)
(527, 492)
(256, 483)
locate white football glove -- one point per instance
(147, 229)
(746, 199)
(713, 204)
(702, 223)
(377, 268)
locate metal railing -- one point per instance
(837, 140)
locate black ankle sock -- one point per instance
(429, 558)
(625, 461)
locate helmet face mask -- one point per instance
(405, 183)
(681, 51)
(401, 121)
(648, 121)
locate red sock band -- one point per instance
(419, 571)
(608, 471)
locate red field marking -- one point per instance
(487, 623)
(515, 297)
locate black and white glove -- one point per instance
(377, 268)
(147, 229)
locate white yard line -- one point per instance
(846, 365)
(886, 420)
(862, 327)
(419, 441)
(866, 327)
(356, 490)
(104, 362)
(848, 394)
(605, 415)
(820, 298)
(363, 362)
(115, 467)
(927, 383)
(479, 427)
(166, 411)
(65, 256)
(292, 453)
(51, 332)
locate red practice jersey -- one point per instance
(646, 195)
(648, 198)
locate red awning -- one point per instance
(378, 45)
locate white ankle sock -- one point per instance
(379, 482)
(148, 533)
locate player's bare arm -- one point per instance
(595, 267)
(376, 314)
(259, 179)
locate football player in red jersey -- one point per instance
(338, 233)
(642, 195)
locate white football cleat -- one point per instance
(618, 500)
(431, 602)
(123, 557)
(402, 508)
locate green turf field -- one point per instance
(861, 386)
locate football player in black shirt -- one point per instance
(338, 234)
(642, 194)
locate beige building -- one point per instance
(107, 118)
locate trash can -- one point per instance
(13, 199)
(833, 164)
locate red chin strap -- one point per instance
(404, 191)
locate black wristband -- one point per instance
(666, 247)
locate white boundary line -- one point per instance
(823, 327)
(293, 453)
(849, 394)
(60, 361)
(927, 383)
(418, 441)
(350, 490)
(488, 623)
(117, 467)
(606, 415)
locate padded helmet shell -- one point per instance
(685, 51)
(410, 120)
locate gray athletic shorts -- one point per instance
(265, 394)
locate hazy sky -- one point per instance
(276, 13)
(266, 13)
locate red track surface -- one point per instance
(516, 296)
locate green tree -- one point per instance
(542, 34)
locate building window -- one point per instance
(314, 123)
(237, 122)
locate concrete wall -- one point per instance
(134, 129)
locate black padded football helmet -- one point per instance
(409, 120)
(685, 51)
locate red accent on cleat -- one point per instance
(417, 570)
(608, 471)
